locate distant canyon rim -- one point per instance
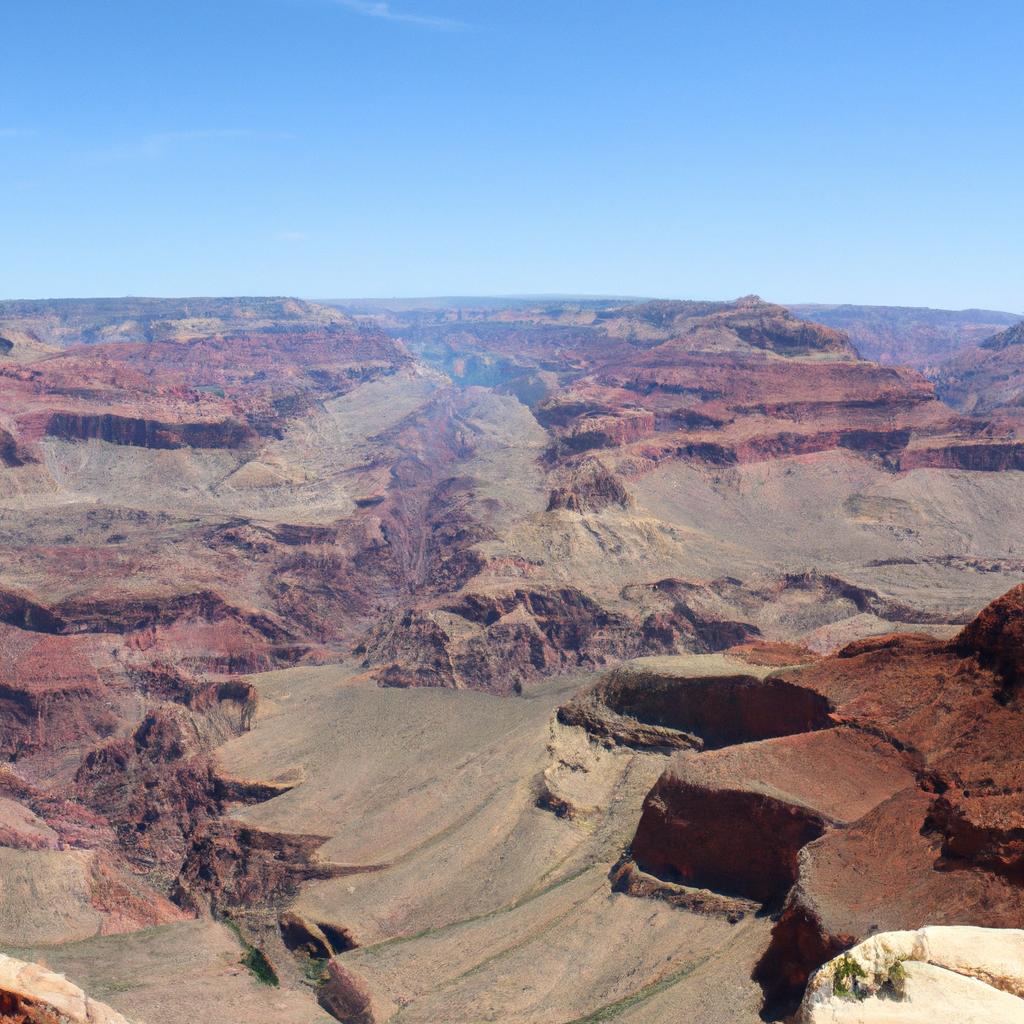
(548, 660)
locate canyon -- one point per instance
(540, 660)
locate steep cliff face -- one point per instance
(996, 639)
(718, 839)
(58, 694)
(11, 453)
(500, 640)
(915, 787)
(710, 711)
(983, 457)
(589, 487)
(180, 380)
(156, 787)
(144, 433)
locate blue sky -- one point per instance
(825, 151)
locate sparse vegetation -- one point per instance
(845, 976)
(253, 958)
(259, 966)
(895, 977)
(314, 969)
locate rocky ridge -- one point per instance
(908, 336)
(987, 379)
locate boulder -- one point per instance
(963, 974)
(30, 994)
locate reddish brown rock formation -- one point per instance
(883, 873)
(949, 854)
(735, 820)
(984, 456)
(499, 640)
(590, 488)
(11, 453)
(645, 708)
(345, 997)
(179, 387)
(772, 654)
(987, 378)
(232, 868)
(909, 336)
(996, 638)
(145, 433)
(911, 812)
(156, 787)
(57, 694)
(713, 382)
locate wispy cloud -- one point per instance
(292, 236)
(159, 144)
(383, 10)
(16, 133)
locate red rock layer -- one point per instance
(911, 812)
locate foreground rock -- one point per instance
(962, 974)
(30, 994)
(184, 973)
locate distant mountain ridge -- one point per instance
(914, 336)
(1014, 336)
(987, 377)
(58, 323)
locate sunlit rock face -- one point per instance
(30, 994)
(970, 975)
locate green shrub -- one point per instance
(259, 966)
(897, 976)
(845, 976)
(253, 958)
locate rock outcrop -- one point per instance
(144, 433)
(735, 820)
(589, 488)
(996, 638)
(30, 994)
(963, 974)
(640, 706)
(909, 809)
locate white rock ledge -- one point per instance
(43, 995)
(931, 976)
